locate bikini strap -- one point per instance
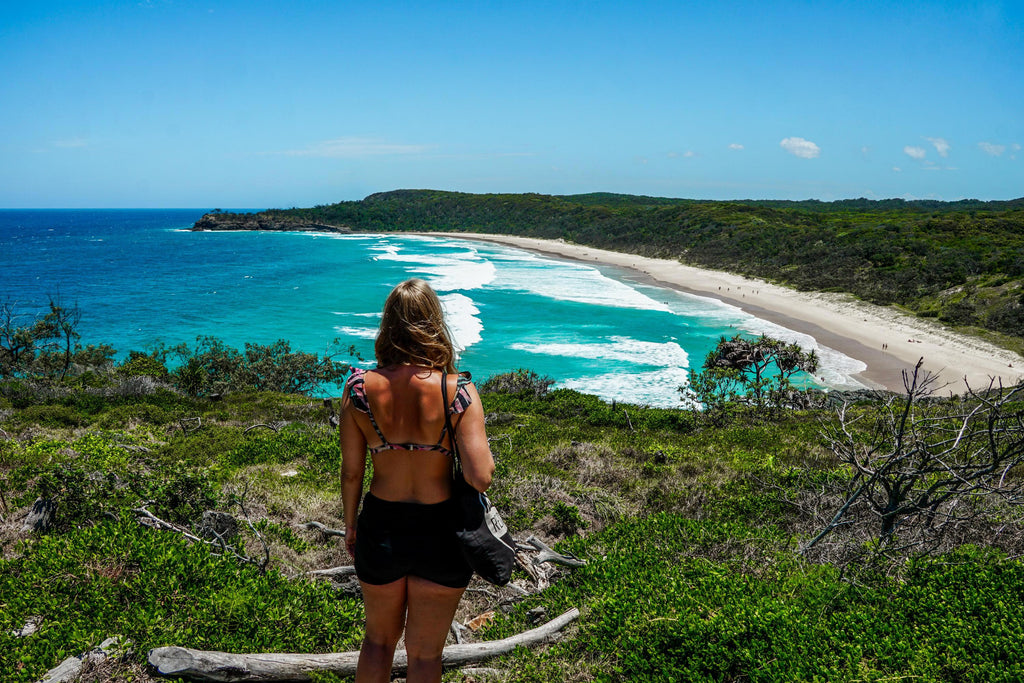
(356, 387)
(448, 429)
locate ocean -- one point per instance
(140, 277)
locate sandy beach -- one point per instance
(838, 321)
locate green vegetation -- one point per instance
(742, 372)
(694, 534)
(960, 262)
(45, 351)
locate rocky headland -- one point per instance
(263, 221)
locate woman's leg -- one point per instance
(431, 608)
(385, 618)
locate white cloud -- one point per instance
(941, 146)
(914, 152)
(897, 169)
(735, 145)
(992, 150)
(353, 147)
(690, 153)
(71, 143)
(805, 149)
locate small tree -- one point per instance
(749, 372)
(47, 346)
(214, 366)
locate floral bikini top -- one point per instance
(355, 387)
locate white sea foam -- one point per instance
(385, 251)
(462, 316)
(446, 272)
(359, 332)
(446, 275)
(619, 349)
(372, 314)
(566, 281)
(658, 388)
(642, 385)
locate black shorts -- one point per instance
(409, 539)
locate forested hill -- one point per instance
(961, 262)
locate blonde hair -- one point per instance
(412, 329)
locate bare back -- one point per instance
(405, 401)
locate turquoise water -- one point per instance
(140, 277)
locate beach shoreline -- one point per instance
(838, 321)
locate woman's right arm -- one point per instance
(353, 466)
(477, 461)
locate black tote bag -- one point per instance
(486, 542)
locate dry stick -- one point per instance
(546, 554)
(457, 629)
(346, 570)
(266, 547)
(327, 531)
(226, 549)
(261, 424)
(271, 666)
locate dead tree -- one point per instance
(925, 470)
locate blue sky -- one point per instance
(176, 103)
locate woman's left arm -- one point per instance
(353, 466)
(477, 461)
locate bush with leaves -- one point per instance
(48, 345)
(522, 382)
(156, 589)
(211, 366)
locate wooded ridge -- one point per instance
(961, 262)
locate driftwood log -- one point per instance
(71, 668)
(223, 666)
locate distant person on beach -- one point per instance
(407, 557)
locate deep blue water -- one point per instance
(140, 277)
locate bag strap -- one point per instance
(456, 459)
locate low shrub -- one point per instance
(658, 606)
(521, 383)
(156, 589)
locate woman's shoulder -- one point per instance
(356, 376)
(464, 393)
(355, 389)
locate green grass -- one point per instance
(156, 589)
(655, 608)
(693, 572)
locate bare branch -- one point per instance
(325, 530)
(261, 424)
(546, 554)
